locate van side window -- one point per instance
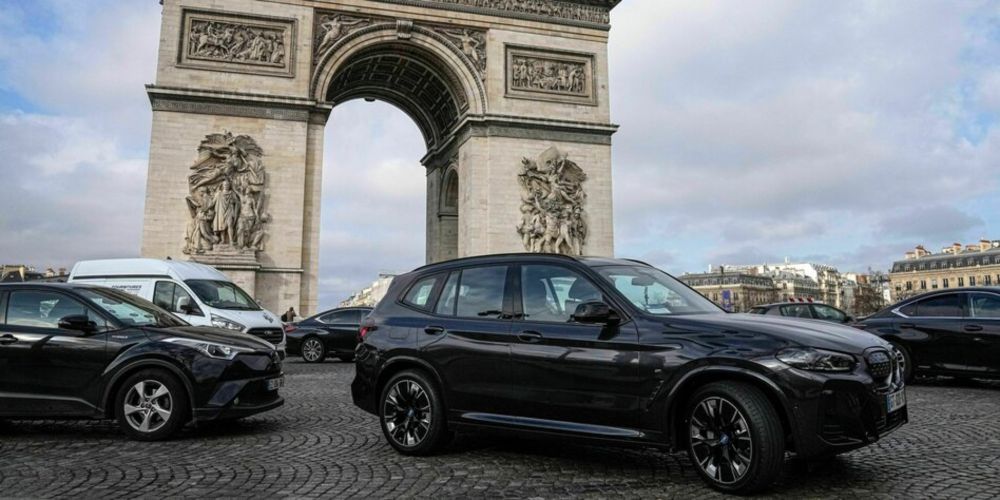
(168, 296)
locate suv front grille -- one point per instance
(272, 335)
(886, 368)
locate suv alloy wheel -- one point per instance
(151, 405)
(735, 438)
(412, 414)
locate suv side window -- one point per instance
(480, 292)
(419, 295)
(41, 309)
(552, 293)
(168, 295)
(796, 311)
(446, 304)
(984, 305)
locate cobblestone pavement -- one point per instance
(318, 444)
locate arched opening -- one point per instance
(416, 80)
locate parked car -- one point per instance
(333, 332)
(945, 332)
(617, 351)
(805, 310)
(83, 351)
(198, 294)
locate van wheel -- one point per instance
(735, 438)
(412, 414)
(151, 405)
(313, 350)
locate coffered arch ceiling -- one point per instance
(408, 77)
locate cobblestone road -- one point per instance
(318, 444)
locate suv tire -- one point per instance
(151, 405)
(412, 414)
(734, 437)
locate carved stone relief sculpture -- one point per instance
(472, 43)
(536, 74)
(553, 219)
(242, 43)
(332, 27)
(593, 14)
(227, 197)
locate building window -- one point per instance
(923, 284)
(909, 286)
(972, 281)
(987, 280)
(961, 282)
(934, 284)
(944, 283)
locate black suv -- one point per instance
(619, 352)
(72, 351)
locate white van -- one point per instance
(198, 294)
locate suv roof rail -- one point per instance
(496, 256)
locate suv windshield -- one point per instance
(130, 310)
(656, 292)
(222, 295)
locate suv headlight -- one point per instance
(211, 349)
(818, 360)
(220, 322)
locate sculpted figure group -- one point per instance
(236, 42)
(552, 204)
(541, 74)
(227, 196)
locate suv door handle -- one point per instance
(973, 328)
(433, 330)
(907, 325)
(7, 339)
(530, 337)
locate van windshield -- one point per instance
(222, 295)
(129, 309)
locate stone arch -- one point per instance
(418, 54)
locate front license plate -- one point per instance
(274, 384)
(895, 401)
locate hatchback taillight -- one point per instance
(363, 332)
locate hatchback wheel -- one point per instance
(313, 350)
(151, 405)
(412, 414)
(735, 438)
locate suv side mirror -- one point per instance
(77, 322)
(595, 313)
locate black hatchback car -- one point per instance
(945, 332)
(804, 310)
(618, 352)
(81, 351)
(333, 332)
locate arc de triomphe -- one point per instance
(511, 97)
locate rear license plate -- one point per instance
(274, 384)
(895, 401)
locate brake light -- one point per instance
(363, 332)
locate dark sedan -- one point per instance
(804, 310)
(329, 333)
(81, 351)
(946, 332)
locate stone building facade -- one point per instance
(510, 96)
(956, 266)
(734, 291)
(370, 295)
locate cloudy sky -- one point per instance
(841, 132)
